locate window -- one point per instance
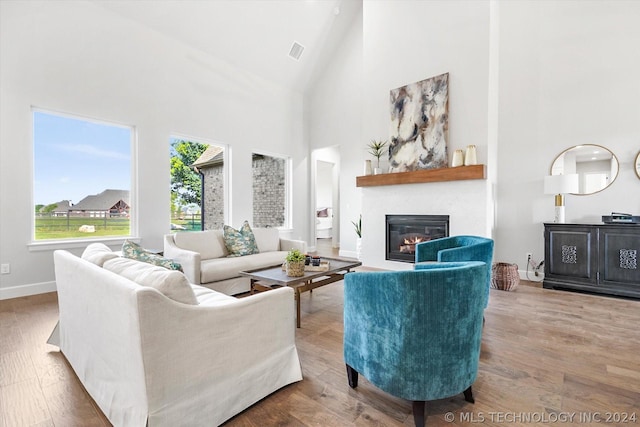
(270, 190)
(197, 185)
(82, 177)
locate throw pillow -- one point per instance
(98, 253)
(170, 283)
(240, 242)
(133, 250)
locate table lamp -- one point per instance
(560, 185)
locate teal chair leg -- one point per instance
(352, 376)
(417, 405)
(418, 413)
(468, 395)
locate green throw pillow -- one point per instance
(133, 250)
(240, 242)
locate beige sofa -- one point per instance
(148, 360)
(204, 257)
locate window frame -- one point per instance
(80, 242)
(226, 171)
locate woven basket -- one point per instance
(295, 269)
(504, 276)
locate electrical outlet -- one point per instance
(529, 256)
(5, 269)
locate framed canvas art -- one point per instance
(419, 125)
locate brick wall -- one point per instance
(269, 192)
(213, 197)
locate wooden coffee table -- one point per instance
(275, 275)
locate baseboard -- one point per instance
(348, 254)
(26, 290)
(532, 276)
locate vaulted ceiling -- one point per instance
(253, 35)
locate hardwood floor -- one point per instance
(545, 355)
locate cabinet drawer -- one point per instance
(619, 250)
(571, 254)
(600, 258)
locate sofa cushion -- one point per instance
(171, 283)
(240, 242)
(98, 254)
(209, 243)
(209, 298)
(214, 270)
(267, 239)
(135, 251)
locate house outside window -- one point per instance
(270, 190)
(198, 185)
(210, 167)
(81, 177)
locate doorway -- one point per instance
(326, 212)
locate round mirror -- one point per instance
(596, 166)
(637, 165)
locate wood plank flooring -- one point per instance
(545, 355)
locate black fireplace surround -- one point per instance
(405, 231)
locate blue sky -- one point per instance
(74, 158)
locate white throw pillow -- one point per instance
(171, 283)
(98, 254)
(209, 244)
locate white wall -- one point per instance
(568, 76)
(528, 79)
(405, 42)
(333, 116)
(324, 184)
(79, 58)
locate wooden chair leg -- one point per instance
(418, 413)
(468, 395)
(352, 376)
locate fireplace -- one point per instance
(405, 231)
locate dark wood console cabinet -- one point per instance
(600, 258)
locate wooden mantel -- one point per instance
(424, 175)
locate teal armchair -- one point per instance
(457, 248)
(415, 334)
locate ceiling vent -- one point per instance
(296, 51)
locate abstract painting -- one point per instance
(420, 125)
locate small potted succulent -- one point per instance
(295, 263)
(376, 149)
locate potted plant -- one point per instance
(295, 263)
(358, 227)
(376, 149)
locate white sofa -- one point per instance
(148, 360)
(204, 257)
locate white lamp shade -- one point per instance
(561, 184)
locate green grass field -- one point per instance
(58, 228)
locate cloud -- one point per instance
(92, 151)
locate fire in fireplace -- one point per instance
(404, 232)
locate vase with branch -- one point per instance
(358, 227)
(377, 149)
